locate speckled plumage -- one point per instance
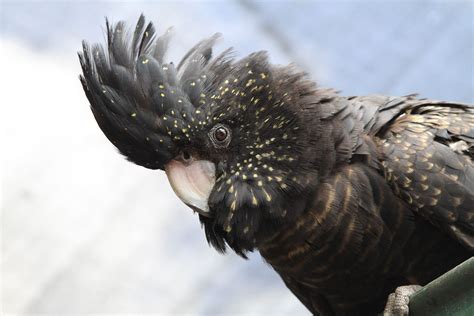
(344, 196)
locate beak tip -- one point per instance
(192, 183)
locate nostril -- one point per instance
(186, 156)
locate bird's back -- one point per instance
(361, 235)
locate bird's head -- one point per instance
(242, 142)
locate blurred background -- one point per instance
(85, 232)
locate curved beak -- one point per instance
(192, 182)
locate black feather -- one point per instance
(345, 197)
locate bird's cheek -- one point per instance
(192, 182)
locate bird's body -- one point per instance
(347, 198)
(359, 238)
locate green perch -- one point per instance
(450, 294)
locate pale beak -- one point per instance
(192, 182)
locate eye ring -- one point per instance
(220, 135)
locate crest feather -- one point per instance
(132, 90)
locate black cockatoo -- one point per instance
(347, 198)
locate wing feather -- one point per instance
(427, 158)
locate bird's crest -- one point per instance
(143, 104)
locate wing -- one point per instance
(427, 157)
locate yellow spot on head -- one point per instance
(254, 200)
(268, 197)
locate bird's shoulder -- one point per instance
(425, 150)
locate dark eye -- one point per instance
(220, 136)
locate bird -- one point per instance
(347, 198)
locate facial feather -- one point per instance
(153, 112)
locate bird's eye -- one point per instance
(220, 135)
